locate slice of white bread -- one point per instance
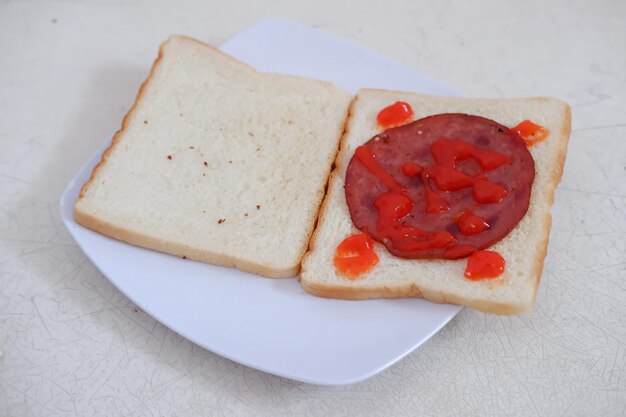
(442, 281)
(218, 162)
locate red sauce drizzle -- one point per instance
(484, 264)
(411, 169)
(368, 159)
(530, 132)
(397, 114)
(447, 152)
(355, 256)
(471, 224)
(435, 202)
(392, 206)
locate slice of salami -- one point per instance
(440, 187)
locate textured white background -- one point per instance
(73, 345)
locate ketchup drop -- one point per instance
(411, 169)
(355, 256)
(484, 264)
(530, 132)
(486, 192)
(471, 224)
(395, 115)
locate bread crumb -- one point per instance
(290, 122)
(258, 206)
(145, 122)
(220, 221)
(169, 157)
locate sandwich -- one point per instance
(385, 195)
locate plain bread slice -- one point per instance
(218, 162)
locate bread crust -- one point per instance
(555, 178)
(413, 291)
(349, 292)
(126, 234)
(116, 136)
(330, 183)
(180, 250)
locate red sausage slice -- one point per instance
(467, 185)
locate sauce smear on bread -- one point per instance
(484, 264)
(530, 132)
(355, 256)
(397, 114)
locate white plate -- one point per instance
(273, 325)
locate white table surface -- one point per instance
(74, 345)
